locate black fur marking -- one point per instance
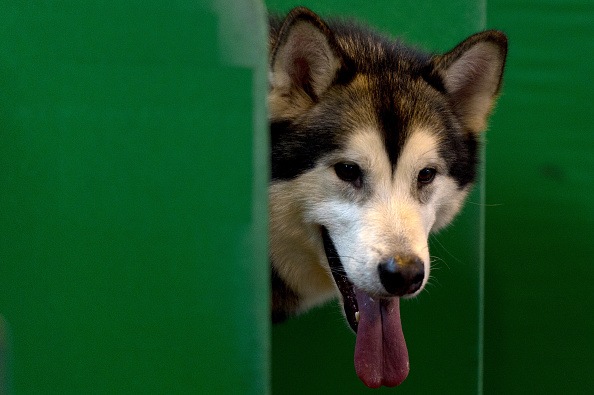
(284, 300)
(433, 78)
(297, 149)
(461, 154)
(346, 73)
(392, 122)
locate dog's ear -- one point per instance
(472, 74)
(305, 57)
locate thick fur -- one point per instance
(342, 95)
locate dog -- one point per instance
(374, 145)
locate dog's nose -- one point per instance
(402, 275)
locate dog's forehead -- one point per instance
(393, 105)
(401, 105)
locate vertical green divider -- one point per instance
(540, 221)
(133, 169)
(314, 353)
(4, 358)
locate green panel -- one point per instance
(133, 197)
(540, 215)
(314, 353)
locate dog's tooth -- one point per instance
(357, 316)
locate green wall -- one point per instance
(133, 171)
(129, 265)
(314, 353)
(539, 332)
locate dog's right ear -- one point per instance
(305, 58)
(472, 74)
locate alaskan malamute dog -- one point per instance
(374, 145)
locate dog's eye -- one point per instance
(426, 175)
(349, 172)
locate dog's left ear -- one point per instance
(472, 74)
(305, 58)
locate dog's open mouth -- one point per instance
(381, 356)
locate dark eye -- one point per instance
(349, 172)
(426, 175)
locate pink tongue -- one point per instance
(381, 357)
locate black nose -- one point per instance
(402, 275)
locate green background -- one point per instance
(133, 152)
(539, 322)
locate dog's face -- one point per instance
(374, 146)
(379, 204)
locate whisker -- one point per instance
(437, 260)
(485, 204)
(445, 249)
